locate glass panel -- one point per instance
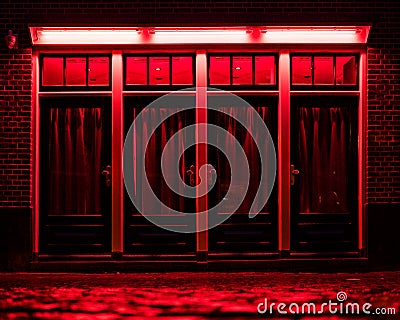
(323, 70)
(242, 70)
(346, 70)
(136, 71)
(74, 160)
(53, 71)
(301, 70)
(182, 70)
(75, 71)
(325, 158)
(159, 70)
(174, 120)
(265, 70)
(225, 118)
(219, 72)
(99, 71)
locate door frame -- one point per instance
(103, 103)
(284, 91)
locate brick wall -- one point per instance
(383, 182)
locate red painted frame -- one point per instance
(210, 46)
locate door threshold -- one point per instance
(290, 264)
(313, 254)
(243, 255)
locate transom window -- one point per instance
(156, 71)
(324, 71)
(248, 70)
(75, 72)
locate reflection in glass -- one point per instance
(265, 70)
(242, 70)
(99, 71)
(182, 70)
(159, 71)
(136, 71)
(53, 71)
(323, 70)
(219, 72)
(346, 70)
(301, 70)
(75, 73)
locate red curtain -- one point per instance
(253, 154)
(173, 124)
(74, 161)
(323, 159)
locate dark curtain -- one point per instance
(157, 142)
(250, 148)
(323, 159)
(74, 161)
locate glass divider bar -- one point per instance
(201, 154)
(117, 140)
(284, 152)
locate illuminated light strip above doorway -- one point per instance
(49, 36)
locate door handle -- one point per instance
(293, 173)
(107, 174)
(192, 175)
(211, 175)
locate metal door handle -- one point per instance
(211, 175)
(192, 175)
(293, 173)
(107, 174)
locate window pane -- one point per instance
(182, 70)
(265, 70)
(75, 72)
(159, 70)
(136, 70)
(53, 71)
(346, 70)
(301, 70)
(242, 70)
(219, 72)
(99, 72)
(323, 70)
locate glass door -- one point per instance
(75, 175)
(324, 144)
(150, 225)
(238, 233)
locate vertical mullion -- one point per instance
(231, 69)
(35, 130)
(170, 70)
(201, 155)
(64, 71)
(253, 67)
(87, 70)
(117, 136)
(312, 70)
(284, 152)
(148, 70)
(334, 70)
(362, 132)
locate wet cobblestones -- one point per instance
(188, 295)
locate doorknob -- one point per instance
(107, 174)
(293, 173)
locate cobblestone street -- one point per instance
(191, 295)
